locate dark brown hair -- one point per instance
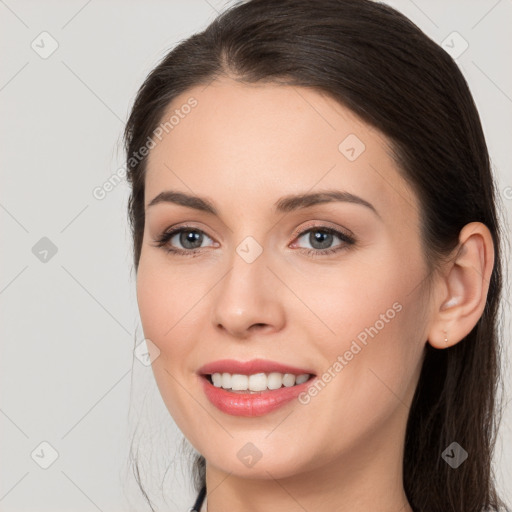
(375, 61)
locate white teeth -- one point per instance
(274, 380)
(302, 378)
(226, 380)
(289, 380)
(257, 381)
(217, 380)
(239, 382)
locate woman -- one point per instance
(357, 372)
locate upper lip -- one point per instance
(250, 367)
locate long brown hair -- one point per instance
(375, 61)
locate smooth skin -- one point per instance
(243, 147)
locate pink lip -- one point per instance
(249, 367)
(252, 404)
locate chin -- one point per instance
(249, 461)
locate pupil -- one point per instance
(322, 237)
(190, 237)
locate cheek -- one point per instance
(376, 329)
(154, 304)
(168, 304)
(355, 295)
(165, 321)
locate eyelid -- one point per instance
(186, 226)
(345, 235)
(319, 224)
(300, 231)
(174, 230)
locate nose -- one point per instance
(248, 300)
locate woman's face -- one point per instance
(255, 284)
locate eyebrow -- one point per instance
(283, 205)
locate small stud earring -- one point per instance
(445, 336)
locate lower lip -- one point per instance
(252, 404)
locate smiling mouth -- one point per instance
(256, 383)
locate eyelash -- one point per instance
(164, 238)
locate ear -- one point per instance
(462, 289)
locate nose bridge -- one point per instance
(246, 296)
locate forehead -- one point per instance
(257, 142)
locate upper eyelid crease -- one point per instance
(284, 205)
(166, 236)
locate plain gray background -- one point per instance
(69, 319)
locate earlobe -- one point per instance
(463, 288)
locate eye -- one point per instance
(190, 239)
(321, 239)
